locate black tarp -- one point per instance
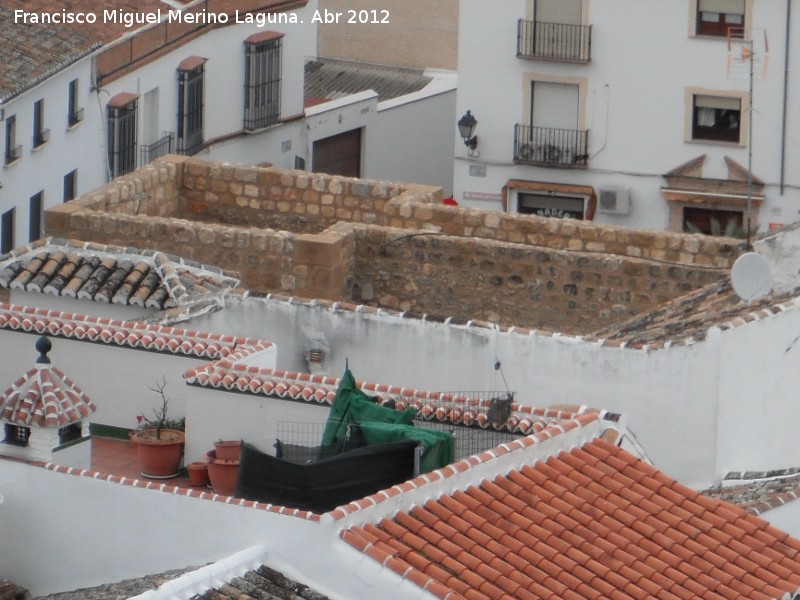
(325, 484)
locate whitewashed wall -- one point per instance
(115, 378)
(99, 532)
(412, 139)
(43, 169)
(673, 398)
(220, 415)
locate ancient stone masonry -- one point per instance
(512, 284)
(392, 245)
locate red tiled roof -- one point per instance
(593, 522)
(129, 334)
(45, 397)
(689, 318)
(458, 409)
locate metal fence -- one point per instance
(554, 41)
(475, 419)
(550, 146)
(161, 147)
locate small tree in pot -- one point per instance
(160, 440)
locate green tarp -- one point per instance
(357, 420)
(437, 445)
(351, 407)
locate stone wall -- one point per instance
(287, 200)
(511, 284)
(392, 245)
(564, 234)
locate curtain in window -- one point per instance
(705, 117)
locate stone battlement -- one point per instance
(392, 244)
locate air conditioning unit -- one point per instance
(614, 200)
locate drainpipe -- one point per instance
(785, 90)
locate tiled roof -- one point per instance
(44, 397)
(262, 582)
(110, 274)
(100, 31)
(592, 522)
(689, 318)
(327, 79)
(758, 492)
(128, 334)
(31, 53)
(442, 407)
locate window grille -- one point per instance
(13, 151)
(262, 98)
(190, 110)
(74, 112)
(35, 216)
(40, 134)
(17, 434)
(122, 139)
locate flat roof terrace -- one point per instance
(393, 245)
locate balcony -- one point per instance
(40, 138)
(546, 146)
(13, 154)
(161, 147)
(554, 41)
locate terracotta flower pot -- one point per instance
(223, 474)
(160, 458)
(198, 473)
(228, 449)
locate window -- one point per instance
(262, 98)
(190, 107)
(70, 185)
(69, 433)
(17, 435)
(561, 207)
(715, 17)
(122, 134)
(13, 151)
(40, 135)
(35, 216)
(729, 223)
(716, 118)
(74, 112)
(7, 231)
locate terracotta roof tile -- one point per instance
(632, 546)
(109, 274)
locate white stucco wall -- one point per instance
(43, 169)
(115, 378)
(634, 103)
(412, 139)
(99, 532)
(220, 415)
(668, 396)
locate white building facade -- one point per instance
(110, 107)
(580, 116)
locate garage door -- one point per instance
(338, 155)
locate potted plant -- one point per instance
(159, 441)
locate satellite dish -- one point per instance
(751, 276)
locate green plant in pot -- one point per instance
(160, 440)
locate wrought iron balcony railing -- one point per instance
(554, 41)
(191, 144)
(161, 147)
(13, 154)
(548, 146)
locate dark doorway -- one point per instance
(338, 155)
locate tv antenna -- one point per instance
(743, 55)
